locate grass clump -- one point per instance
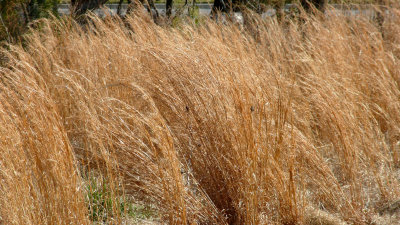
(100, 200)
(292, 122)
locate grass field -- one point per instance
(266, 122)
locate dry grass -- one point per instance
(266, 123)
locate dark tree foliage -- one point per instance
(308, 5)
(15, 15)
(80, 7)
(168, 7)
(221, 6)
(41, 8)
(235, 5)
(132, 4)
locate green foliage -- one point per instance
(104, 205)
(9, 19)
(15, 15)
(99, 200)
(41, 8)
(194, 13)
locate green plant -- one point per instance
(104, 205)
(99, 200)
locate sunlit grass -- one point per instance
(265, 122)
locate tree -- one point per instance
(15, 15)
(235, 5)
(308, 5)
(168, 7)
(220, 6)
(80, 7)
(120, 6)
(41, 8)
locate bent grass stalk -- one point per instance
(266, 123)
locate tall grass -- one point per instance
(262, 123)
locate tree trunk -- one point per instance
(119, 7)
(25, 13)
(308, 5)
(80, 7)
(219, 6)
(168, 7)
(151, 5)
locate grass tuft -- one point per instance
(265, 122)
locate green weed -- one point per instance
(104, 205)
